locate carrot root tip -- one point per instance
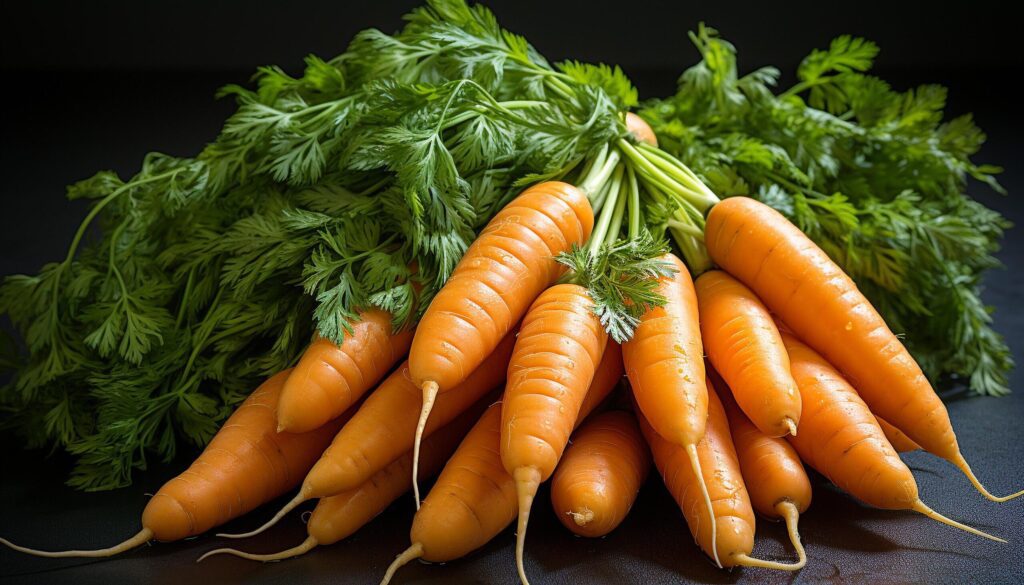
(139, 539)
(923, 508)
(791, 515)
(749, 561)
(430, 390)
(791, 425)
(583, 517)
(413, 552)
(527, 483)
(691, 450)
(962, 465)
(295, 551)
(294, 503)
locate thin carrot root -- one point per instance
(962, 465)
(789, 512)
(294, 503)
(413, 552)
(139, 539)
(748, 561)
(691, 450)
(923, 508)
(791, 426)
(430, 390)
(527, 483)
(306, 546)
(583, 517)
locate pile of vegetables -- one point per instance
(394, 236)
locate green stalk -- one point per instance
(599, 175)
(620, 212)
(610, 203)
(700, 200)
(634, 203)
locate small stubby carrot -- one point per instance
(340, 516)
(330, 378)
(560, 344)
(775, 477)
(664, 361)
(383, 429)
(600, 475)
(733, 515)
(247, 464)
(840, 437)
(743, 344)
(473, 500)
(640, 129)
(821, 304)
(901, 442)
(511, 262)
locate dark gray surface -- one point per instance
(68, 126)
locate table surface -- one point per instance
(75, 124)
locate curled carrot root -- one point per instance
(139, 539)
(306, 546)
(413, 552)
(791, 515)
(294, 503)
(962, 465)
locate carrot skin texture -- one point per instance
(899, 441)
(247, 464)
(330, 378)
(600, 475)
(502, 272)
(664, 361)
(822, 305)
(608, 375)
(720, 466)
(743, 344)
(560, 344)
(383, 428)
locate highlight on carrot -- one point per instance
(840, 437)
(247, 464)
(383, 429)
(338, 517)
(473, 500)
(329, 378)
(665, 364)
(823, 307)
(511, 262)
(599, 477)
(743, 344)
(776, 480)
(732, 512)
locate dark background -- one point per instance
(93, 85)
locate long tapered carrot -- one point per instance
(901, 442)
(560, 344)
(502, 272)
(822, 305)
(775, 477)
(600, 474)
(743, 344)
(247, 464)
(329, 378)
(840, 438)
(384, 428)
(733, 517)
(665, 364)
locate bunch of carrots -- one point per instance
(770, 360)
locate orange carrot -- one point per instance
(247, 464)
(733, 515)
(383, 429)
(899, 441)
(776, 480)
(329, 378)
(502, 272)
(742, 342)
(840, 438)
(822, 305)
(606, 378)
(600, 475)
(640, 129)
(665, 364)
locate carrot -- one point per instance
(247, 464)
(840, 438)
(502, 272)
(822, 305)
(560, 344)
(743, 344)
(776, 480)
(733, 515)
(899, 441)
(473, 500)
(329, 378)
(338, 517)
(383, 429)
(640, 129)
(665, 364)
(606, 378)
(600, 475)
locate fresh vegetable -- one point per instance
(732, 517)
(247, 464)
(775, 477)
(665, 364)
(839, 437)
(606, 379)
(600, 474)
(743, 344)
(329, 378)
(899, 441)
(382, 430)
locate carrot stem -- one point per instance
(634, 203)
(527, 483)
(962, 465)
(430, 390)
(791, 515)
(139, 539)
(306, 546)
(923, 508)
(291, 505)
(691, 450)
(413, 552)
